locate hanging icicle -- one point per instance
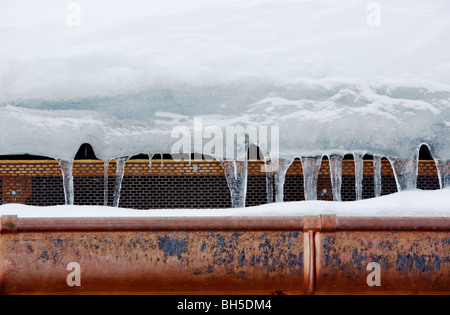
(377, 175)
(269, 179)
(105, 181)
(120, 171)
(406, 171)
(150, 159)
(336, 175)
(281, 166)
(311, 168)
(236, 176)
(236, 173)
(359, 174)
(66, 170)
(443, 167)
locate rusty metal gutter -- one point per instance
(150, 224)
(246, 255)
(316, 223)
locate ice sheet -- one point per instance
(134, 70)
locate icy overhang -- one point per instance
(129, 74)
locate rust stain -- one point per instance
(411, 262)
(198, 261)
(309, 255)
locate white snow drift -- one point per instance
(414, 203)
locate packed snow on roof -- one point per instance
(317, 69)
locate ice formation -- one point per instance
(66, 170)
(311, 168)
(120, 171)
(134, 71)
(281, 166)
(377, 175)
(105, 182)
(269, 180)
(236, 176)
(443, 167)
(406, 171)
(359, 170)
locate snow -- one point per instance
(133, 70)
(412, 203)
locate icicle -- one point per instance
(66, 170)
(377, 175)
(120, 171)
(359, 174)
(336, 175)
(269, 180)
(281, 166)
(406, 171)
(311, 168)
(443, 167)
(105, 176)
(236, 176)
(150, 159)
(236, 173)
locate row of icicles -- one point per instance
(405, 171)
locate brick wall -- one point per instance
(173, 184)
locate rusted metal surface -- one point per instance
(154, 262)
(185, 224)
(406, 224)
(9, 224)
(309, 254)
(245, 255)
(410, 262)
(316, 223)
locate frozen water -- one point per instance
(443, 167)
(150, 160)
(359, 170)
(281, 166)
(336, 175)
(406, 171)
(269, 180)
(417, 203)
(236, 176)
(311, 168)
(377, 175)
(131, 73)
(66, 170)
(120, 171)
(105, 180)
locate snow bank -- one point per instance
(414, 203)
(315, 68)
